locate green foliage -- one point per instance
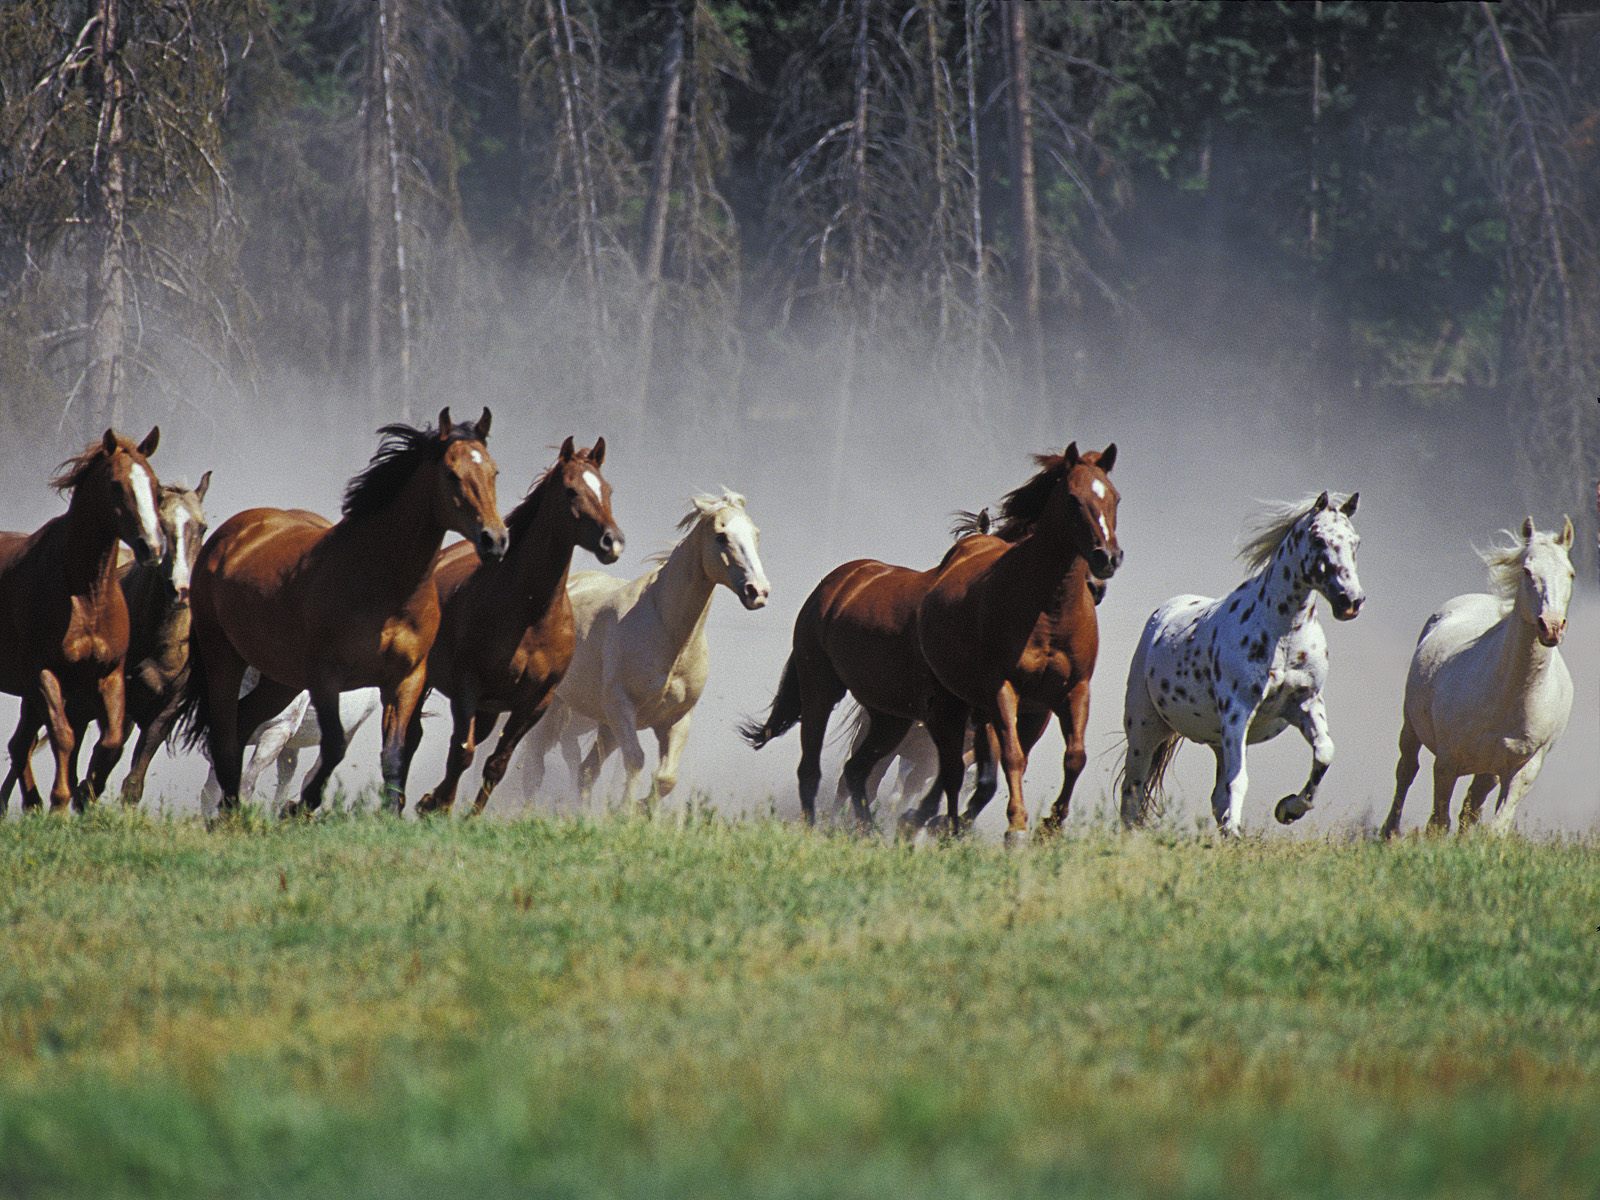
(365, 1007)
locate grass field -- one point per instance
(369, 1008)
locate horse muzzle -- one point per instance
(754, 595)
(1103, 563)
(1346, 608)
(491, 544)
(609, 548)
(1551, 632)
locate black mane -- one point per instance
(1022, 507)
(403, 449)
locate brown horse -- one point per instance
(63, 619)
(313, 605)
(857, 632)
(506, 635)
(1009, 624)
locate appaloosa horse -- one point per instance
(505, 637)
(63, 618)
(329, 608)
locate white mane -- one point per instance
(1267, 530)
(1505, 559)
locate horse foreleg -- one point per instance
(1233, 779)
(548, 732)
(622, 720)
(671, 739)
(1013, 761)
(518, 722)
(1074, 720)
(1477, 792)
(62, 740)
(269, 747)
(1405, 772)
(1512, 792)
(21, 747)
(1444, 786)
(1312, 721)
(986, 757)
(325, 700)
(112, 718)
(398, 708)
(465, 723)
(884, 733)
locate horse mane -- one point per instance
(1504, 558)
(76, 469)
(1268, 529)
(728, 499)
(1021, 508)
(966, 524)
(402, 450)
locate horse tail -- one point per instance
(193, 720)
(783, 714)
(1152, 797)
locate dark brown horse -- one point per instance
(506, 635)
(63, 619)
(857, 632)
(324, 607)
(1009, 624)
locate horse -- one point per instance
(332, 607)
(1245, 667)
(1488, 693)
(63, 616)
(1009, 626)
(278, 742)
(506, 633)
(642, 660)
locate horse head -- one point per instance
(1544, 581)
(466, 482)
(588, 499)
(730, 547)
(183, 523)
(115, 475)
(1328, 554)
(1090, 501)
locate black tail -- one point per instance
(783, 714)
(193, 721)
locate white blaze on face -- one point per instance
(1104, 528)
(1098, 488)
(742, 549)
(593, 480)
(144, 497)
(477, 457)
(181, 566)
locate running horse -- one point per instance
(333, 607)
(506, 634)
(63, 618)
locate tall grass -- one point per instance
(364, 1007)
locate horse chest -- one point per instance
(95, 633)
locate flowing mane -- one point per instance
(1506, 558)
(701, 505)
(76, 469)
(1022, 507)
(1268, 529)
(403, 449)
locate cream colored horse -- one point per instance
(1487, 691)
(641, 660)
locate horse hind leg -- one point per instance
(1405, 773)
(1149, 743)
(325, 700)
(820, 691)
(1472, 807)
(1444, 786)
(1312, 721)
(884, 733)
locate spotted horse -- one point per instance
(1243, 668)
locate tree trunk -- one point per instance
(1020, 125)
(980, 255)
(653, 234)
(387, 40)
(941, 183)
(106, 299)
(376, 249)
(562, 54)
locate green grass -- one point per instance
(369, 1008)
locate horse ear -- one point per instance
(1527, 529)
(1108, 458)
(444, 423)
(481, 429)
(1072, 455)
(568, 452)
(1566, 533)
(151, 441)
(598, 455)
(203, 486)
(1321, 504)
(108, 441)
(1348, 508)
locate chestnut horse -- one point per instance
(63, 619)
(506, 634)
(1009, 625)
(313, 605)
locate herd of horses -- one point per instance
(283, 629)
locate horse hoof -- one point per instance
(1048, 829)
(1016, 839)
(1290, 809)
(909, 825)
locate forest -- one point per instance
(707, 217)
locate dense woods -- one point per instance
(711, 213)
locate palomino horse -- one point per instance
(1009, 626)
(1245, 667)
(642, 659)
(63, 616)
(1487, 692)
(330, 608)
(506, 637)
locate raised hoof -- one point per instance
(426, 806)
(1016, 839)
(1290, 809)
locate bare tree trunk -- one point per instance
(653, 234)
(1314, 218)
(941, 184)
(1020, 124)
(562, 53)
(980, 255)
(106, 299)
(374, 173)
(386, 55)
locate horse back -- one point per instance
(862, 617)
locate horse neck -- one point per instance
(538, 561)
(158, 620)
(1523, 660)
(403, 536)
(1035, 569)
(91, 564)
(681, 591)
(1282, 604)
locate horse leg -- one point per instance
(325, 700)
(594, 761)
(269, 746)
(1405, 772)
(1073, 719)
(544, 736)
(820, 691)
(947, 722)
(464, 726)
(1233, 779)
(986, 757)
(21, 748)
(152, 736)
(671, 739)
(1312, 721)
(1444, 786)
(1148, 740)
(399, 706)
(412, 743)
(883, 734)
(518, 722)
(63, 742)
(224, 671)
(1477, 792)
(1512, 791)
(622, 720)
(1013, 761)
(112, 715)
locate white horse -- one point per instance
(1487, 692)
(280, 740)
(1245, 667)
(641, 660)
